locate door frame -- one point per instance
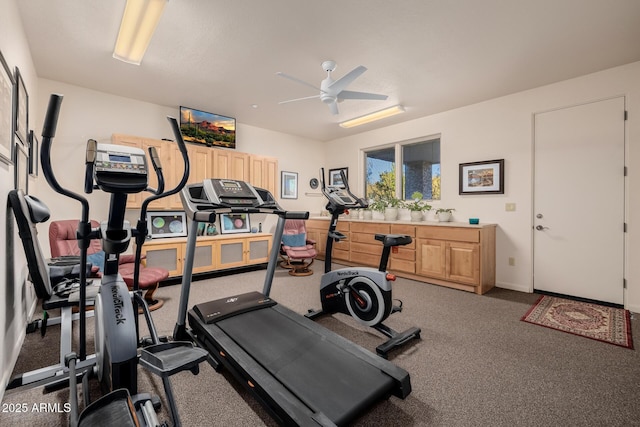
(625, 200)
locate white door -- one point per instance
(579, 201)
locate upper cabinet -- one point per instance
(204, 162)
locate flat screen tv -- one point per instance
(166, 224)
(207, 128)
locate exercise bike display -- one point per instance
(120, 171)
(362, 292)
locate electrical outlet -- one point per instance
(510, 207)
(512, 261)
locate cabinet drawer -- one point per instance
(339, 254)
(365, 259)
(402, 265)
(366, 248)
(364, 238)
(409, 230)
(369, 228)
(404, 253)
(449, 233)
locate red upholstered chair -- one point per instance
(296, 251)
(62, 241)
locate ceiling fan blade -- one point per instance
(298, 99)
(349, 94)
(295, 79)
(333, 107)
(346, 80)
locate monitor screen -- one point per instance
(166, 224)
(209, 129)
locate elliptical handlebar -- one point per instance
(157, 166)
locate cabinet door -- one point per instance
(204, 256)
(231, 253)
(165, 255)
(259, 248)
(256, 171)
(271, 175)
(463, 262)
(221, 167)
(239, 167)
(200, 160)
(432, 257)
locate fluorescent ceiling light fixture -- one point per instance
(372, 117)
(138, 24)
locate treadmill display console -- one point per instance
(232, 193)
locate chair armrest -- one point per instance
(129, 259)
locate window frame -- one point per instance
(399, 161)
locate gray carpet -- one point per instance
(477, 364)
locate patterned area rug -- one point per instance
(601, 323)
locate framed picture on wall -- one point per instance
(289, 182)
(335, 178)
(34, 154)
(22, 109)
(21, 168)
(6, 111)
(485, 177)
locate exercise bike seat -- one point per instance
(389, 240)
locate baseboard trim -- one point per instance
(514, 287)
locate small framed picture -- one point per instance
(485, 177)
(234, 223)
(21, 168)
(6, 112)
(34, 154)
(335, 177)
(22, 109)
(289, 183)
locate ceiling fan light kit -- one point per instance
(334, 91)
(138, 24)
(372, 117)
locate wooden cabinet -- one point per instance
(455, 255)
(317, 230)
(212, 252)
(464, 257)
(205, 162)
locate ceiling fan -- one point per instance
(333, 91)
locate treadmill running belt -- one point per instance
(323, 375)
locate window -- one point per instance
(420, 171)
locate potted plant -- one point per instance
(391, 208)
(377, 204)
(416, 206)
(444, 214)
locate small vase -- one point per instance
(367, 214)
(416, 215)
(390, 214)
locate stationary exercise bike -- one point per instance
(362, 292)
(119, 171)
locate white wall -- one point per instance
(16, 298)
(88, 114)
(502, 129)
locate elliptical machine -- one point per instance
(120, 171)
(362, 292)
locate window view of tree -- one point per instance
(381, 174)
(420, 171)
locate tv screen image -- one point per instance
(166, 224)
(209, 129)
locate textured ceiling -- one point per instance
(429, 55)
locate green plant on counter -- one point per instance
(439, 210)
(416, 204)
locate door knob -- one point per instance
(540, 228)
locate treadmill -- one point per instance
(301, 372)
